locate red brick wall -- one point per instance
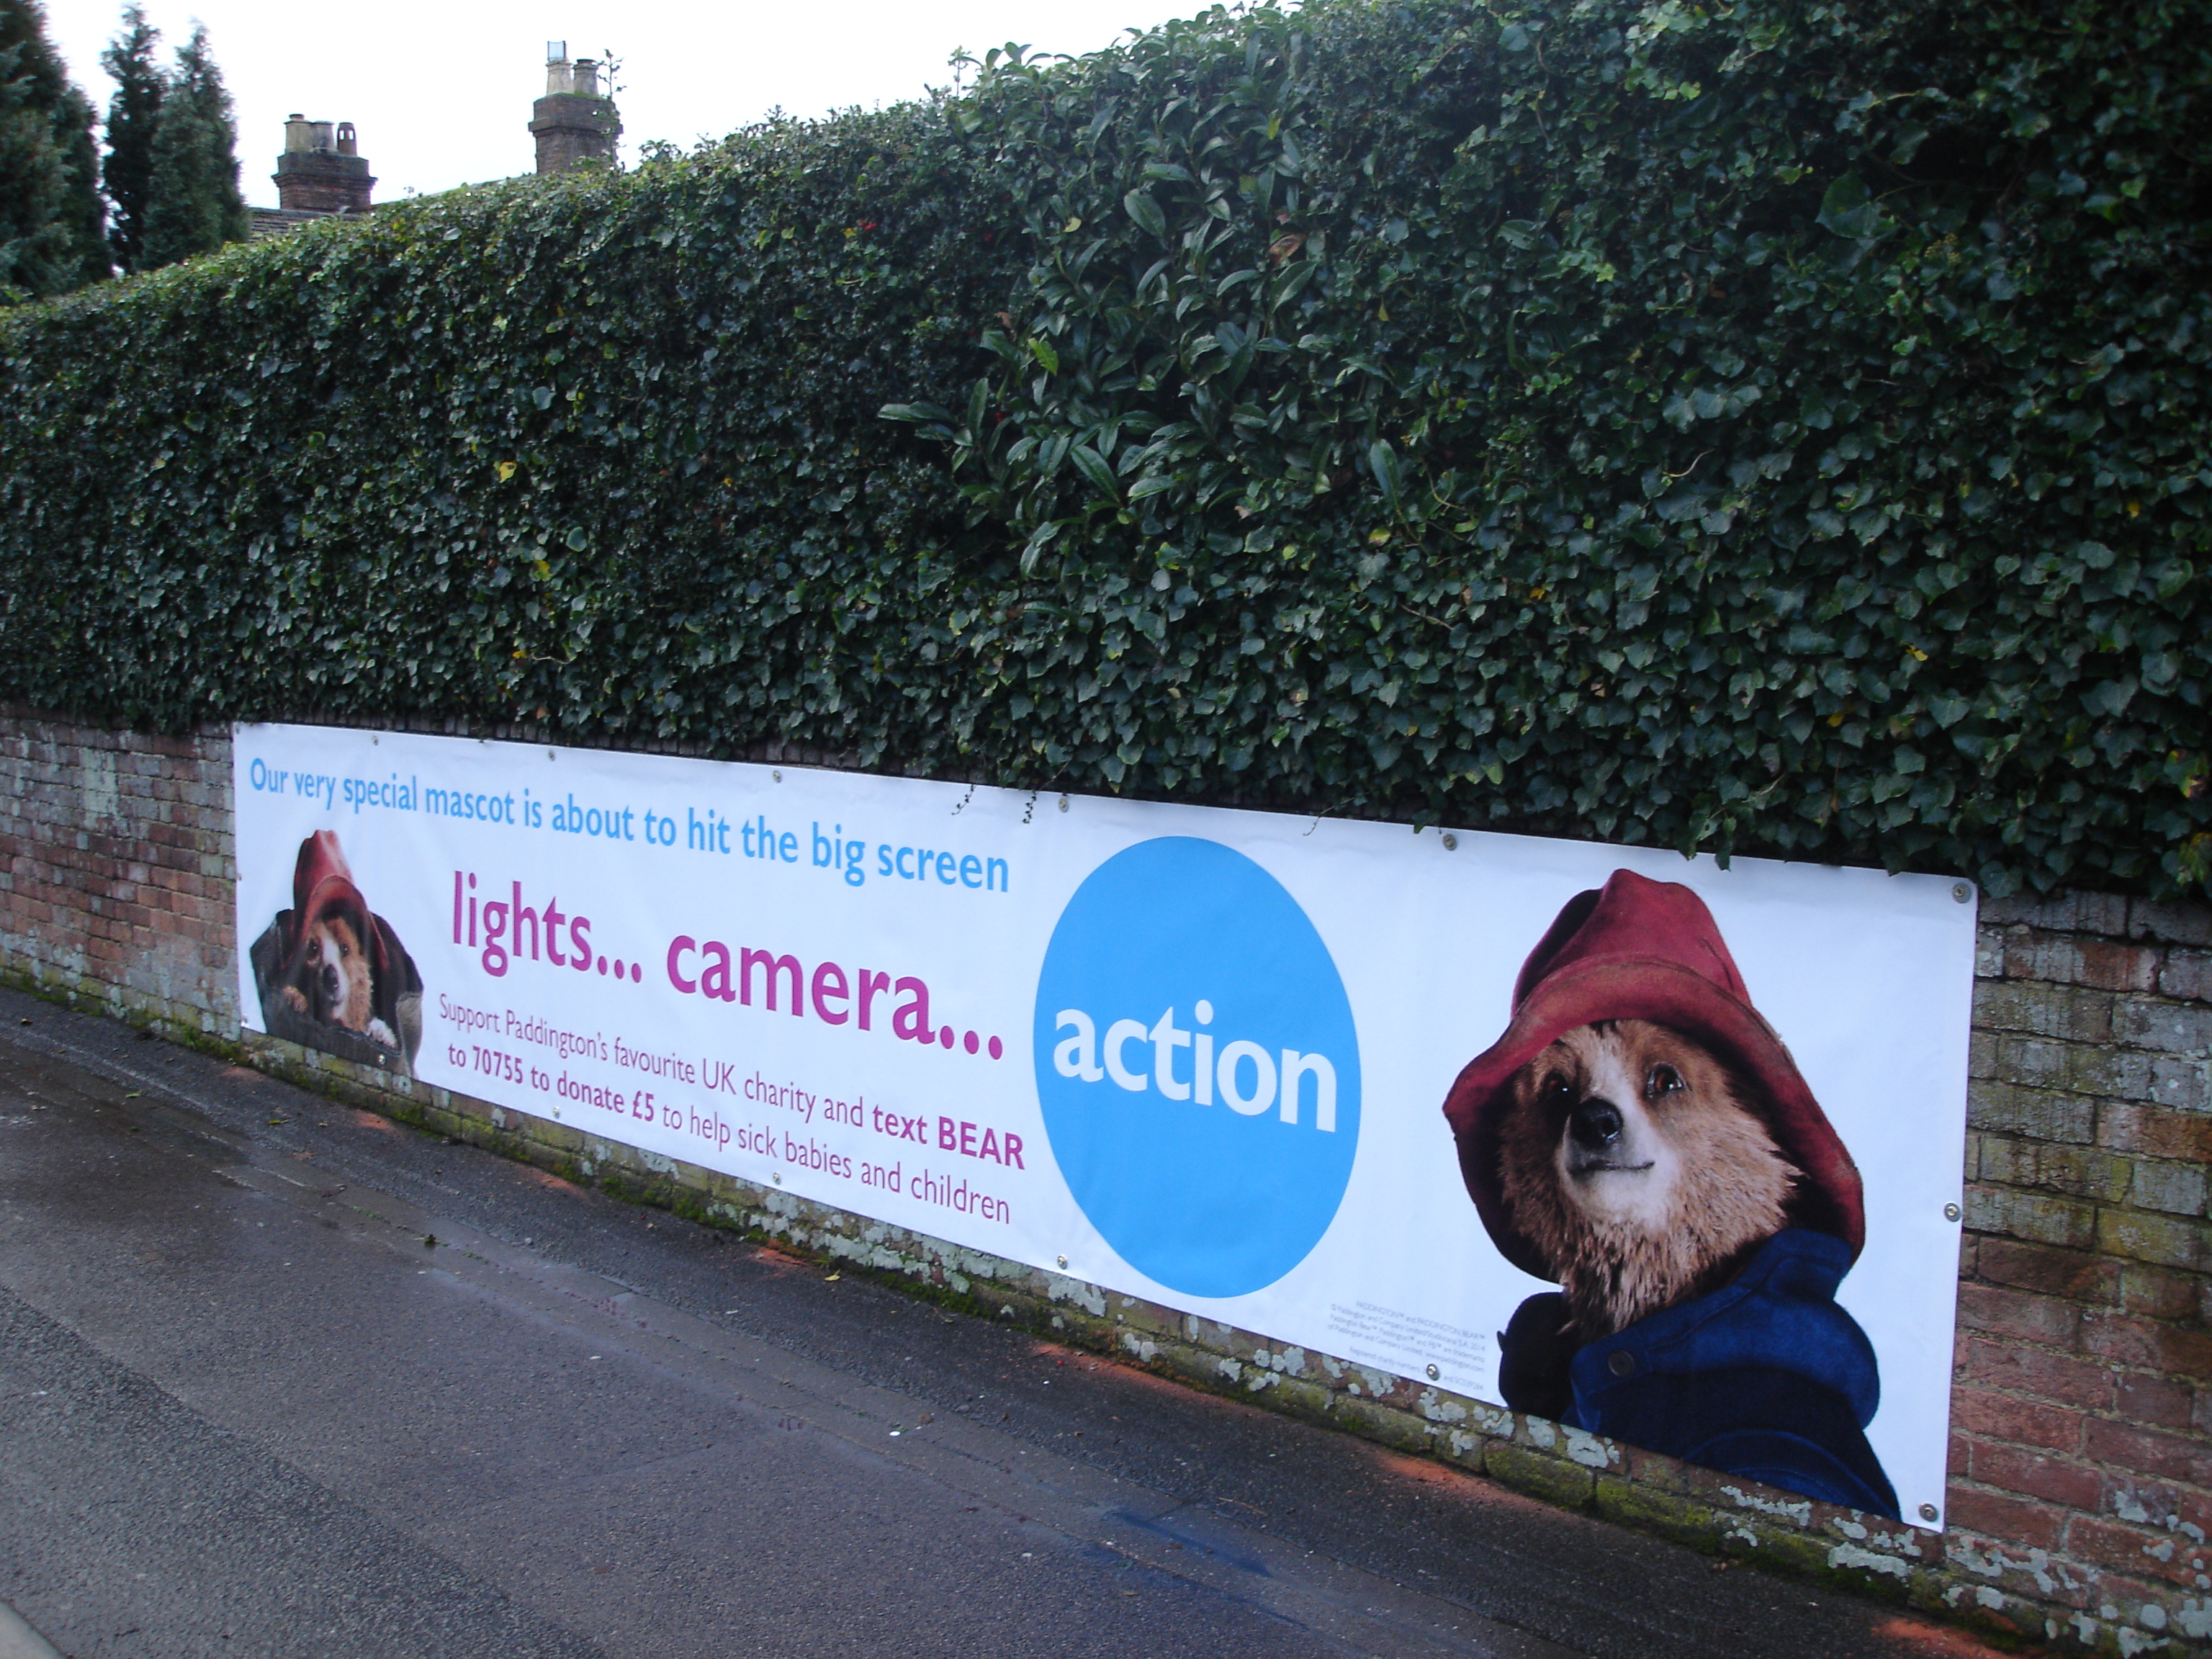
(2082, 1447)
(2082, 1416)
(115, 868)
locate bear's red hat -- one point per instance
(1637, 949)
(321, 882)
(322, 885)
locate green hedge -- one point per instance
(1776, 427)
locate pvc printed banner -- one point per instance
(1667, 1153)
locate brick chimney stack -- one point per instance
(321, 171)
(575, 119)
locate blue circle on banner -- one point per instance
(1176, 954)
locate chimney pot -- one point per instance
(576, 118)
(321, 170)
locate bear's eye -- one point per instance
(1661, 1079)
(345, 950)
(1559, 1092)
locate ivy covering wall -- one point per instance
(1774, 427)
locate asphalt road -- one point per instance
(247, 1407)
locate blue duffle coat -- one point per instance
(1765, 1378)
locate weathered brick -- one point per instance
(2126, 1340)
(2159, 1292)
(2175, 1188)
(2062, 913)
(2102, 964)
(2049, 1272)
(2180, 1084)
(2045, 1220)
(2116, 1074)
(2138, 1552)
(2169, 1027)
(1990, 953)
(2033, 1061)
(2175, 923)
(2155, 1131)
(2036, 1474)
(2010, 910)
(2021, 1523)
(2167, 1241)
(2077, 1171)
(2065, 1379)
(2065, 1012)
(2149, 1451)
(2162, 1401)
(2164, 1506)
(2187, 974)
(2009, 1108)
(2017, 1313)
(1984, 1413)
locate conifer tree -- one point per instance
(51, 236)
(83, 212)
(194, 205)
(31, 183)
(132, 114)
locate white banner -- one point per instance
(1203, 1057)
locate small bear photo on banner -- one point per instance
(332, 975)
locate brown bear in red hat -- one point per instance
(1641, 1136)
(333, 974)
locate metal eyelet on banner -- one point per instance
(1952, 1212)
(1451, 842)
(1927, 1511)
(1431, 1372)
(1960, 892)
(1061, 1260)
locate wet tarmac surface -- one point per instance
(280, 1377)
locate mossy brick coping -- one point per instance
(1770, 426)
(1723, 1516)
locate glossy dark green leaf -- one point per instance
(1681, 426)
(1146, 212)
(1849, 211)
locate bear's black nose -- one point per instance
(1595, 1124)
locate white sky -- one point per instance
(441, 91)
